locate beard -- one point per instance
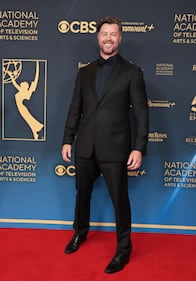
(108, 50)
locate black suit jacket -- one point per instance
(103, 125)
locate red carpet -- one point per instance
(37, 255)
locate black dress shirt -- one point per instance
(105, 68)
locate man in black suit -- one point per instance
(98, 119)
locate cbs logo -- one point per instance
(61, 170)
(77, 26)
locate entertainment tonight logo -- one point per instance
(24, 99)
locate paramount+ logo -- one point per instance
(77, 26)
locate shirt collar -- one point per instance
(112, 60)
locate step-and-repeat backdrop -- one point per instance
(42, 46)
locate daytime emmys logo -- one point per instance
(24, 80)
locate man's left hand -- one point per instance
(135, 160)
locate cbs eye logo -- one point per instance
(77, 26)
(61, 170)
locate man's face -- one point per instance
(109, 38)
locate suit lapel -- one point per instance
(93, 80)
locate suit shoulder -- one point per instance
(130, 65)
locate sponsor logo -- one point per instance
(137, 27)
(157, 137)
(136, 173)
(77, 26)
(160, 103)
(80, 64)
(166, 69)
(191, 140)
(61, 170)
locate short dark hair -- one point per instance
(109, 20)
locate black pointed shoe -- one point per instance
(74, 244)
(117, 263)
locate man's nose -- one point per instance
(108, 37)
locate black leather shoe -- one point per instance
(74, 244)
(117, 263)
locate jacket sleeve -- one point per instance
(74, 114)
(139, 104)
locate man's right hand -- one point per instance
(66, 152)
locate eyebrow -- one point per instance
(113, 32)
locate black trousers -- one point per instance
(115, 176)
